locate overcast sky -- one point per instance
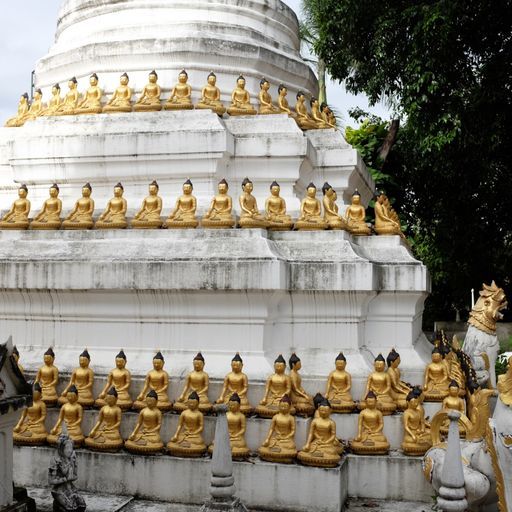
(28, 28)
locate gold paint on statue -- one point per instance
(379, 383)
(487, 310)
(266, 105)
(275, 210)
(37, 107)
(241, 100)
(197, 381)
(81, 215)
(149, 100)
(339, 385)
(91, 102)
(282, 102)
(83, 379)
(303, 119)
(148, 217)
(157, 380)
(114, 216)
(479, 411)
(188, 439)
(436, 379)
(181, 94)
(310, 212)
(71, 413)
(184, 214)
(54, 103)
(453, 402)
(119, 378)
(399, 389)
(70, 103)
(317, 115)
(210, 96)
(327, 116)
(417, 439)
(121, 99)
(30, 429)
(386, 219)
(17, 216)
(301, 401)
(20, 117)
(505, 384)
(250, 216)
(48, 378)
(331, 216)
(236, 383)
(219, 214)
(49, 216)
(355, 216)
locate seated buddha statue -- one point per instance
(148, 217)
(318, 400)
(241, 100)
(119, 378)
(355, 216)
(210, 96)
(16, 357)
(250, 216)
(91, 101)
(436, 380)
(236, 427)
(279, 445)
(83, 379)
(399, 389)
(157, 380)
(418, 393)
(505, 384)
(145, 437)
(49, 216)
(453, 402)
(80, 216)
(379, 382)
(385, 217)
(331, 217)
(275, 210)
(48, 377)
(37, 107)
(114, 216)
(331, 118)
(54, 103)
(325, 113)
(184, 213)
(277, 386)
(219, 214)
(30, 429)
(339, 385)
(20, 118)
(322, 446)
(370, 440)
(417, 439)
(310, 212)
(196, 381)
(301, 401)
(70, 102)
(149, 100)
(236, 382)
(266, 105)
(188, 440)
(316, 115)
(17, 216)
(105, 435)
(282, 102)
(181, 94)
(121, 100)
(302, 117)
(71, 413)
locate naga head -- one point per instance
(487, 310)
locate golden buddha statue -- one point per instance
(80, 216)
(436, 378)
(301, 401)
(219, 215)
(91, 102)
(148, 217)
(282, 102)
(17, 216)
(279, 445)
(20, 118)
(157, 380)
(326, 115)
(210, 96)
(70, 103)
(188, 439)
(241, 100)
(399, 389)
(145, 437)
(71, 413)
(302, 118)
(266, 105)
(370, 440)
(37, 106)
(149, 100)
(114, 216)
(331, 217)
(317, 116)
(236, 426)
(48, 378)
(278, 385)
(318, 400)
(198, 381)
(379, 382)
(54, 103)
(322, 446)
(121, 100)
(453, 402)
(418, 393)
(236, 382)
(355, 216)
(30, 429)
(275, 210)
(250, 216)
(16, 357)
(181, 94)
(386, 221)
(310, 212)
(331, 118)
(505, 384)
(184, 214)
(119, 378)
(339, 385)
(417, 439)
(83, 379)
(49, 216)
(105, 435)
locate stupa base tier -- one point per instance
(218, 291)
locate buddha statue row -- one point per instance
(219, 214)
(180, 98)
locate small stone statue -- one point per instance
(158, 380)
(37, 107)
(68, 106)
(49, 216)
(120, 378)
(236, 383)
(453, 402)
(241, 100)
(31, 430)
(317, 116)
(148, 217)
(303, 119)
(386, 219)
(48, 378)
(17, 216)
(219, 215)
(417, 439)
(379, 382)
(91, 102)
(71, 414)
(184, 213)
(282, 102)
(436, 379)
(81, 215)
(114, 216)
(310, 212)
(266, 105)
(23, 108)
(275, 210)
(236, 425)
(327, 115)
(61, 475)
(198, 381)
(399, 389)
(355, 216)
(301, 401)
(331, 216)
(121, 99)
(339, 384)
(181, 94)
(54, 103)
(210, 96)
(83, 378)
(250, 216)
(149, 99)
